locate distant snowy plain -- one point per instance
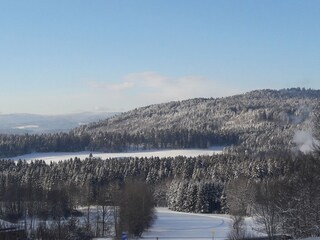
(61, 156)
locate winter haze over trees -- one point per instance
(34, 123)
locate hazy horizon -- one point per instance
(101, 111)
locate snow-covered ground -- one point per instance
(60, 156)
(176, 225)
(171, 225)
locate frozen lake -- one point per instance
(61, 156)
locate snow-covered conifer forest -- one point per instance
(270, 167)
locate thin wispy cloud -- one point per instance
(143, 88)
(111, 87)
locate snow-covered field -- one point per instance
(60, 156)
(173, 225)
(176, 225)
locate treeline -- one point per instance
(14, 145)
(49, 208)
(196, 196)
(219, 184)
(17, 178)
(159, 139)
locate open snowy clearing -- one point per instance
(61, 156)
(177, 225)
(171, 225)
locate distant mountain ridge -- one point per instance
(21, 123)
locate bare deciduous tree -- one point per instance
(136, 208)
(239, 196)
(266, 208)
(238, 228)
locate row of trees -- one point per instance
(195, 196)
(13, 145)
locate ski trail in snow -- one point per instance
(197, 228)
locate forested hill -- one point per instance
(258, 121)
(263, 119)
(210, 114)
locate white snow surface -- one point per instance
(176, 225)
(26, 127)
(61, 156)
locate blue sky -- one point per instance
(73, 56)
